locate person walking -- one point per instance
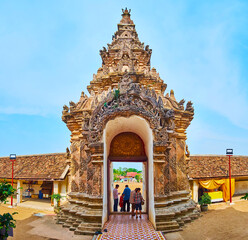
(138, 199)
(126, 193)
(121, 202)
(115, 197)
(132, 202)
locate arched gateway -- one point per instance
(127, 101)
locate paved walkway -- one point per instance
(40, 204)
(125, 227)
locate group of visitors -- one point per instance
(128, 197)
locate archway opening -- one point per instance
(127, 150)
(141, 127)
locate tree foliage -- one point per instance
(6, 190)
(138, 177)
(123, 171)
(6, 219)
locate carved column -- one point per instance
(182, 179)
(161, 180)
(75, 165)
(173, 165)
(96, 163)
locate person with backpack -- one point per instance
(138, 199)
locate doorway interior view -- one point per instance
(132, 174)
(127, 165)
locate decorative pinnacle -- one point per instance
(126, 12)
(126, 17)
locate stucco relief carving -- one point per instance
(132, 100)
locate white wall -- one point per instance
(141, 127)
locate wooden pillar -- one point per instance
(19, 191)
(55, 190)
(63, 191)
(195, 190)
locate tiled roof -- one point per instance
(51, 166)
(131, 174)
(213, 166)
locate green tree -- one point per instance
(138, 177)
(6, 220)
(132, 170)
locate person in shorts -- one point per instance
(138, 199)
(131, 200)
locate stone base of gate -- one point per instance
(83, 214)
(174, 210)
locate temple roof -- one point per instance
(47, 167)
(125, 64)
(125, 54)
(216, 166)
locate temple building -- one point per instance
(37, 176)
(128, 116)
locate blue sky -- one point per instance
(50, 50)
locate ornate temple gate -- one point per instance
(127, 147)
(126, 95)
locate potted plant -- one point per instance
(245, 197)
(205, 199)
(7, 223)
(57, 197)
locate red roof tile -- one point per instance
(43, 167)
(214, 166)
(131, 174)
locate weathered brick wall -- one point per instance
(210, 166)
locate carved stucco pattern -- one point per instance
(74, 186)
(83, 167)
(181, 166)
(159, 180)
(166, 179)
(75, 165)
(133, 100)
(97, 190)
(90, 172)
(83, 187)
(173, 166)
(89, 188)
(127, 144)
(166, 173)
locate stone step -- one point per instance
(59, 222)
(80, 232)
(167, 227)
(171, 230)
(165, 217)
(186, 219)
(173, 222)
(65, 225)
(89, 228)
(75, 225)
